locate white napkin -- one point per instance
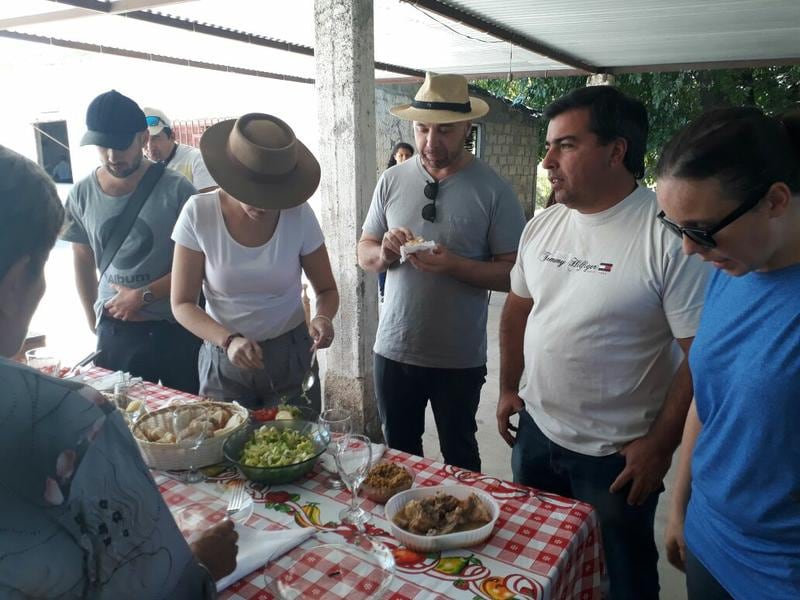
(407, 249)
(107, 383)
(328, 462)
(258, 547)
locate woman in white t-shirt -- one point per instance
(246, 245)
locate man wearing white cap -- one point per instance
(163, 147)
(431, 342)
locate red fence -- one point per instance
(189, 132)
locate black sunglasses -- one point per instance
(431, 190)
(704, 236)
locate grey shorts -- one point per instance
(286, 361)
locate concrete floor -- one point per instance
(496, 455)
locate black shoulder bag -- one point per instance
(129, 214)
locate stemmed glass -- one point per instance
(44, 360)
(190, 433)
(353, 458)
(336, 423)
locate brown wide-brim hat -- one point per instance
(258, 160)
(442, 99)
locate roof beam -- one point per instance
(213, 30)
(183, 62)
(662, 68)
(82, 9)
(50, 17)
(118, 7)
(507, 35)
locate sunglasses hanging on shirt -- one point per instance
(431, 190)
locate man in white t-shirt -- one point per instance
(163, 147)
(600, 293)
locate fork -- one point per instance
(238, 497)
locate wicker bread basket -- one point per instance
(172, 456)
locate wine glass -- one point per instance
(336, 423)
(44, 360)
(190, 428)
(353, 459)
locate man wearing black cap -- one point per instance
(129, 306)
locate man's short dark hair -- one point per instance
(612, 115)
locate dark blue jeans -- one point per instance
(403, 392)
(627, 531)
(153, 350)
(700, 584)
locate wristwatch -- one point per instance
(147, 295)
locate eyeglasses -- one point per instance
(704, 236)
(153, 121)
(431, 190)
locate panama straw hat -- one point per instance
(442, 99)
(258, 160)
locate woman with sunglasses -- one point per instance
(729, 185)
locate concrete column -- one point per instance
(345, 80)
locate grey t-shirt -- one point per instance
(146, 254)
(432, 320)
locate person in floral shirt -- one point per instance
(81, 516)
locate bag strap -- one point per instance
(129, 214)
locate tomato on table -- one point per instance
(265, 414)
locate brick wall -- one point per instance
(508, 141)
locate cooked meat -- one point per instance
(441, 513)
(476, 510)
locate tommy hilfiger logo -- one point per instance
(574, 263)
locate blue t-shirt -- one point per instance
(743, 520)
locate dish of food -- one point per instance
(386, 479)
(234, 450)
(215, 419)
(448, 516)
(442, 513)
(273, 447)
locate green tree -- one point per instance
(672, 99)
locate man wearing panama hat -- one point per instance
(431, 342)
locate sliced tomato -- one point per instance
(265, 414)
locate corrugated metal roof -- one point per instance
(612, 34)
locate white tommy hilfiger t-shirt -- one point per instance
(611, 292)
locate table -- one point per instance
(544, 546)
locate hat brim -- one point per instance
(116, 141)
(426, 115)
(156, 129)
(297, 187)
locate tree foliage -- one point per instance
(672, 99)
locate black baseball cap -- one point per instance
(112, 120)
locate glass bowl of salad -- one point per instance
(276, 452)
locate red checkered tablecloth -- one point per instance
(544, 546)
